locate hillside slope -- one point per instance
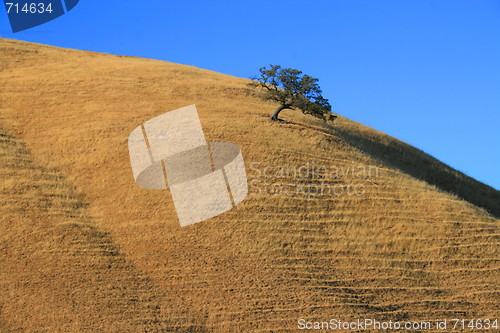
(83, 248)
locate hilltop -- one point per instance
(82, 248)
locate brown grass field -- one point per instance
(83, 249)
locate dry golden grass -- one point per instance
(82, 248)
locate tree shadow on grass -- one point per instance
(416, 163)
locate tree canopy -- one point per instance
(292, 90)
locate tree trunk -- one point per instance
(277, 111)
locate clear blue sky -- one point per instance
(424, 71)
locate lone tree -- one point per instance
(292, 90)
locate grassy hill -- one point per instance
(82, 248)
